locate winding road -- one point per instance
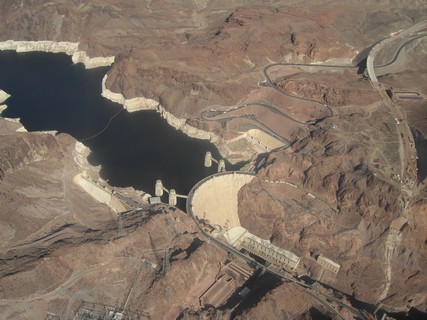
(407, 152)
(310, 290)
(222, 116)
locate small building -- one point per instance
(328, 264)
(231, 277)
(154, 200)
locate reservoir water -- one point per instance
(49, 92)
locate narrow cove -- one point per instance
(49, 92)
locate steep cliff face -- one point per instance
(58, 246)
(410, 258)
(336, 193)
(149, 260)
(24, 148)
(36, 186)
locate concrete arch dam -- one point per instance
(214, 199)
(213, 203)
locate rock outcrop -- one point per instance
(28, 148)
(59, 246)
(335, 192)
(69, 48)
(346, 208)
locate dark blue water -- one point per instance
(48, 92)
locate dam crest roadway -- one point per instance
(213, 205)
(213, 202)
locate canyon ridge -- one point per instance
(334, 153)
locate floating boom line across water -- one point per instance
(105, 128)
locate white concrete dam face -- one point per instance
(215, 200)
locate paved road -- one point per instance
(135, 205)
(413, 33)
(321, 66)
(212, 114)
(407, 151)
(250, 118)
(378, 71)
(283, 275)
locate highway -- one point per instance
(283, 275)
(407, 148)
(273, 85)
(220, 115)
(397, 53)
(407, 152)
(412, 32)
(251, 118)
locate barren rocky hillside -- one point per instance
(352, 217)
(58, 246)
(191, 54)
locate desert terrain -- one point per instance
(239, 74)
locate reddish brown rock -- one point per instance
(188, 56)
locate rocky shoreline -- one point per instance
(69, 48)
(3, 97)
(142, 103)
(335, 193)
(131, 105)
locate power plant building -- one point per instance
(240, 238)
